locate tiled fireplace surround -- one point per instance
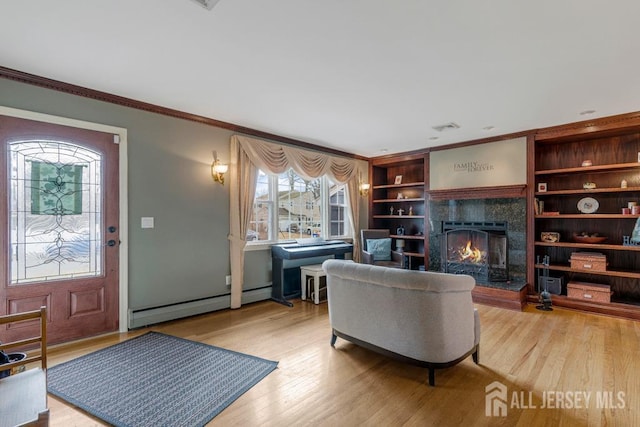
(513, 211)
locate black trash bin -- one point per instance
(11, 357)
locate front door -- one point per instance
(59, 227)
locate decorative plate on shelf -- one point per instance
(588, 205)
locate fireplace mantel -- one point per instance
(506, 191)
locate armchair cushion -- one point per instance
(380, 249)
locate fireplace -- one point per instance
(479, 249)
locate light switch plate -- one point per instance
(146, 222)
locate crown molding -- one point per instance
(595, 127)
(32, 79)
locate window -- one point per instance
(289, 207)
(262, 216)
(338, 209)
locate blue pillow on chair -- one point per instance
(380, 249)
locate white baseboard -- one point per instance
(256, 295)
(150, 316)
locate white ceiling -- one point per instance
(361, 76)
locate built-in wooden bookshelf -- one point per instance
(564, 163)
(398, 202)
(555, 158)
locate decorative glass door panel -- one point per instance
(59, 227)
(56, 219)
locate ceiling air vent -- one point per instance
(208, 4)
(447, 126)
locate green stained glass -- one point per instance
(56, 189)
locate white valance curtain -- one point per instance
(247, 156)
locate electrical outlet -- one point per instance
(228, 280)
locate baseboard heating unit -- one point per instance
(152, 315)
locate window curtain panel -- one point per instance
(242, 190)
(248, 155)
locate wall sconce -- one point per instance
(364, 189)
(363, 186)
(218, 169)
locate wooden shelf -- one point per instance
(611, 273)
(583, 169)
(412, 254)
(398, 200)
(600, 246)
(408, 184)
(503, 191)
(591, 191)
(407, 237)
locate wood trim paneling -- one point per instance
(530, 210)
(388, 158)
(595, 127)
(22, 77)
(506, 191)
(484, 140)
(398, 159)
(626, 311)
(592, 128)
(503, 298)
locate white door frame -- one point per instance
(121, 133)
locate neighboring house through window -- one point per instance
(338, 210)
(288, 207)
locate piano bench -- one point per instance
(315, 273)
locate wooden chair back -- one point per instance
(40, 339)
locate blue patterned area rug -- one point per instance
(157, 380)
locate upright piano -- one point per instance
(287, 258)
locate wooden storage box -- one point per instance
(595, 292)
(589, 261)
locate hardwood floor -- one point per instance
(543, 358)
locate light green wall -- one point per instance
(186, 255)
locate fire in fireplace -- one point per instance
(470, 253)
(479, 249)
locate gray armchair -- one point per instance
(370, 255)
